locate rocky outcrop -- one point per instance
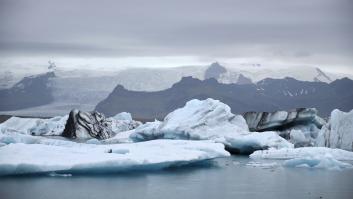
(338, 132)
(281, 120)
(82, 124)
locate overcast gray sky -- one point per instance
(317, 32)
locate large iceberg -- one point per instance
(209, 120)
(91, 158)
(338, 132)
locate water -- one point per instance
(235, 177)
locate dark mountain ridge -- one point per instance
(29, 92)
(266, 95)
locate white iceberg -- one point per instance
(246, 144)
(311, 157)
(319, 162)
(89, 158)
(338, 132)
(34, 126)
(209, 120)
(291, 153)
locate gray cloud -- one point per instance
(287, 30)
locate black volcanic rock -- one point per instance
(267, 95)
(281, 120)
(82, 124)
(29, 92)
(214, 71)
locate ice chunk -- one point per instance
(147, 131)
(321, 162)
(35, 126)
(14, 137)
(261, 121)
(88, 158)
(123, 116)
(247, 144)
(290, 153)
(123, 125)
(338, 132)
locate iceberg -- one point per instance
(338, 132)
(291, 153)
(56, 125)
(34, 126)
(319, 162)
(246, 144)
(209, 120)
(91, 158)
(311, 157)
(262, 121)
(123, 116)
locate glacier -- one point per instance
(91, 158)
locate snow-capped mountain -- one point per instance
(258, 72)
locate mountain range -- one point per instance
(57, 92)
(266, 95)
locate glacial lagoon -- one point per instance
(231, 177)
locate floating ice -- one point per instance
(87, 158)
(246, 144)
(290, 153)
(338, 132)
(321, 162)
(123, 116)
(35, 126)
(55, 126)
(209, 120)
(311, 157)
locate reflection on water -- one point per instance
(235, 177)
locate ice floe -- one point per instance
(320, 162)
(288, 153)
(86, 158)
(312, 157)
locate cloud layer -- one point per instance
(314, 32)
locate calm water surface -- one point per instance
(223, 178)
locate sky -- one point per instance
(164, 33)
